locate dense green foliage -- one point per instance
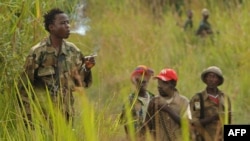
(125, 33)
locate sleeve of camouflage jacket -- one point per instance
(85, 74)
(27, 77)
(29, 68)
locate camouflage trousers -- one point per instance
(47, 104)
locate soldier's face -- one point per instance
(141, 83)
(61, 27)
(212, 80)
(206, 16)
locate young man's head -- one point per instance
(205, 13)
(167, 81)
(141, 76)
(212, 76)
(56, 22)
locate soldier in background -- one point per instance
(189, 22)
(54, 66)
(204, 28)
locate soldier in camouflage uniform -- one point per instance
(166, 110)
(138, 101)
(54, 66)
(210, 108)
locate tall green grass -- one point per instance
(125, 34)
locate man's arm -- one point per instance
(83, 76)
(171, 113)
(207, 120)
(28, 74)
(86, 74)
(195, 108)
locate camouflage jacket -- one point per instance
(207, 107)
(46, 67)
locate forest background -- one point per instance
(125, 34)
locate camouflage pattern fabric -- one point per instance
(57, 71)
(212, 131)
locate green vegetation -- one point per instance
(125, 34)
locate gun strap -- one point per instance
(202, 106)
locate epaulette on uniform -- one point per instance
(38, 46)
